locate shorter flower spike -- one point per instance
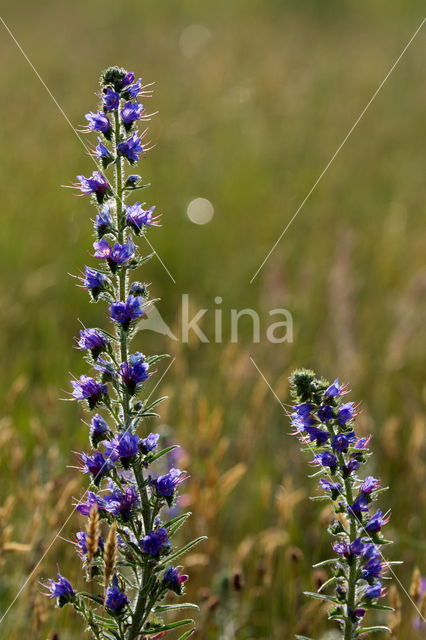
(325, 425)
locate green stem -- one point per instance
(350, 627)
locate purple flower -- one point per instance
(102, 152)
(116, 599)
(81, 543)
(132, 181)
(149, 443)
(173, 581)
(120, 503)
(96, 184)
(131, 112)
(110, 99)
(325, 412)
(373, 563)
(93, 340)
(127, 79)
(376, 522)
(304, 409)
(156, 542)
(138, 217)
(96, 465)
(346, 412)
(131, 148)
(103, 222)
(326, 459)
(98, 430)
(369, 485)
(342, 441)
(317, 434)
(92, 499)
(334, 389)
(355, 548)
(117, 254)
(94, 281)
(98, 122)
(334, 487)
(89, 389)
(61, 589)
(347, 469)
(124, 446)
(134, 90)
(134, 371)
(106, 367)
(124, 312)
(360, 505)
(374, 591)
(166, 485)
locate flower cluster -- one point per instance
(132, 564)
(324, 423)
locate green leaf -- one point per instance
(371, 629)
(321, 596)
(175, 607)
(163, 452)
(168, 627)
(378, 607)
(302, 638)
(184, 549)
(331, 580)
(317, 498)
(324, 563)
(187, 634)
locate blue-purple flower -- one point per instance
(89, 389)
(110, 99)
(92, 499)
(116, 600)
(138, 217)
(60, 589)
(98, 430)
(117, 254)
(96, 185)
(97, 465)
(123, 446)
(156, 542)
(98, 122)
(94, 281)
(121, 503)
(81, 544)
(149, 443)
(342, 441)
(326, 459)
(131, 112)
(92, 340)
(166, 484)
(325, 413)
(173, 580)
(131, 148)
(134, 371)
(134, 89)
(103, 222)
(376, 522)
(346, 413)
(334, 389)
(125, 312)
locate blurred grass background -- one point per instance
(253, 98)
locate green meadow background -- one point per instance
(254, 97)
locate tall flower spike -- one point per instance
(131, 488)
(325, 426)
